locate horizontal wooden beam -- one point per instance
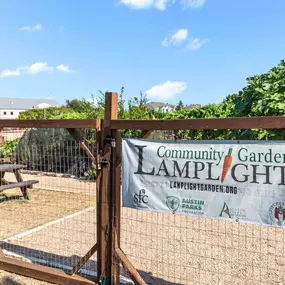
(72, 124)
(202, 124)
(40, 272)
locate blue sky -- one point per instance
(194, 50)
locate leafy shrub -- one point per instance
(8, 149)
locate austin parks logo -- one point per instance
(172, 203)
(277, 213)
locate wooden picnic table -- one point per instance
(23, 185)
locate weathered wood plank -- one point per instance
(10, 167)
(201, 124)
(41, 272)
(24, 188)
(70, 123)
(18, 184)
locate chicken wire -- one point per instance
(57, 226)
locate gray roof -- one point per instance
(24, 103)
(191, 106)
(154, 105)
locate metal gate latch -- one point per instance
(111, 140)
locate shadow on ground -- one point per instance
(67, 262)
(10, 281)
(4, 198)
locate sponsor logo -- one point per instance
(187, 205)
(231, 213)
(141, 199)
(192, 206)
(172, 203)
(277, 213)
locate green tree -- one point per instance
(180, 105)
(48, 113)
(264, 95)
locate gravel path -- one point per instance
(172, 249)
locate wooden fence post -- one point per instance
(108, 269)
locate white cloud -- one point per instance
(167, 90)
(146, 4)
(162, 4)
(196, 43)
(38, 67)
(193, 3)
(177, 38)
(37, 27)
(94, 101)
(63, 68)
(9, 73)
(34, 68)
(138, 4)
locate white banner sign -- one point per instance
(217, 179)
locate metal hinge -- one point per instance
(104, 163)
(111, 141)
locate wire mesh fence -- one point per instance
(174, 249)
(57, 225)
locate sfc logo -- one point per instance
(172, 203)
(277, 213)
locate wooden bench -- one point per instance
(23, 185)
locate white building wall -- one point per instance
(43, 105)
(10, 114)
(166, 109)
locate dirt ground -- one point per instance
(172, 249)
(65, 184)
(167, 249)
(18, 215)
